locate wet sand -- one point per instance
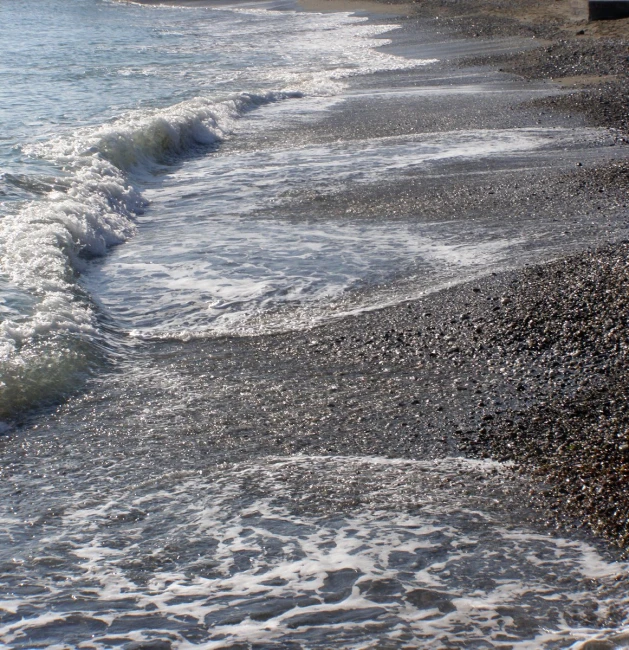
(371, 7)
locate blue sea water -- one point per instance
(149, 194)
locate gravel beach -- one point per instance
(355, 373)
(560, 332)
(528, 366)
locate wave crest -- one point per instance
(43, 246)
(141, 140)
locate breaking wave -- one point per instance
(49, 344)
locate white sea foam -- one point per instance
(43, 246)
(315, 551)
(40, 248)
(206, 263)
(254, 276)
(346, 44)
(143, 139)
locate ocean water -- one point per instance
(160, 173)
(96, 106)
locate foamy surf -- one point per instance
(45, 244)
(240, 255)
(142, 142)
(312, 552)
(120, 527)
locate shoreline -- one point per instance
(459, 372)
(557, 368)
(402, 418)
(370, 7)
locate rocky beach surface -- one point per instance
(528, 366)
(556, 333)
(362, 369)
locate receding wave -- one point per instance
(49, 346)
(309, 552)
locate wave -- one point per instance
(44, 245)
(141, 140)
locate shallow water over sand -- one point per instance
(214, 258)
(304, 552)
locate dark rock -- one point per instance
(608, 9)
